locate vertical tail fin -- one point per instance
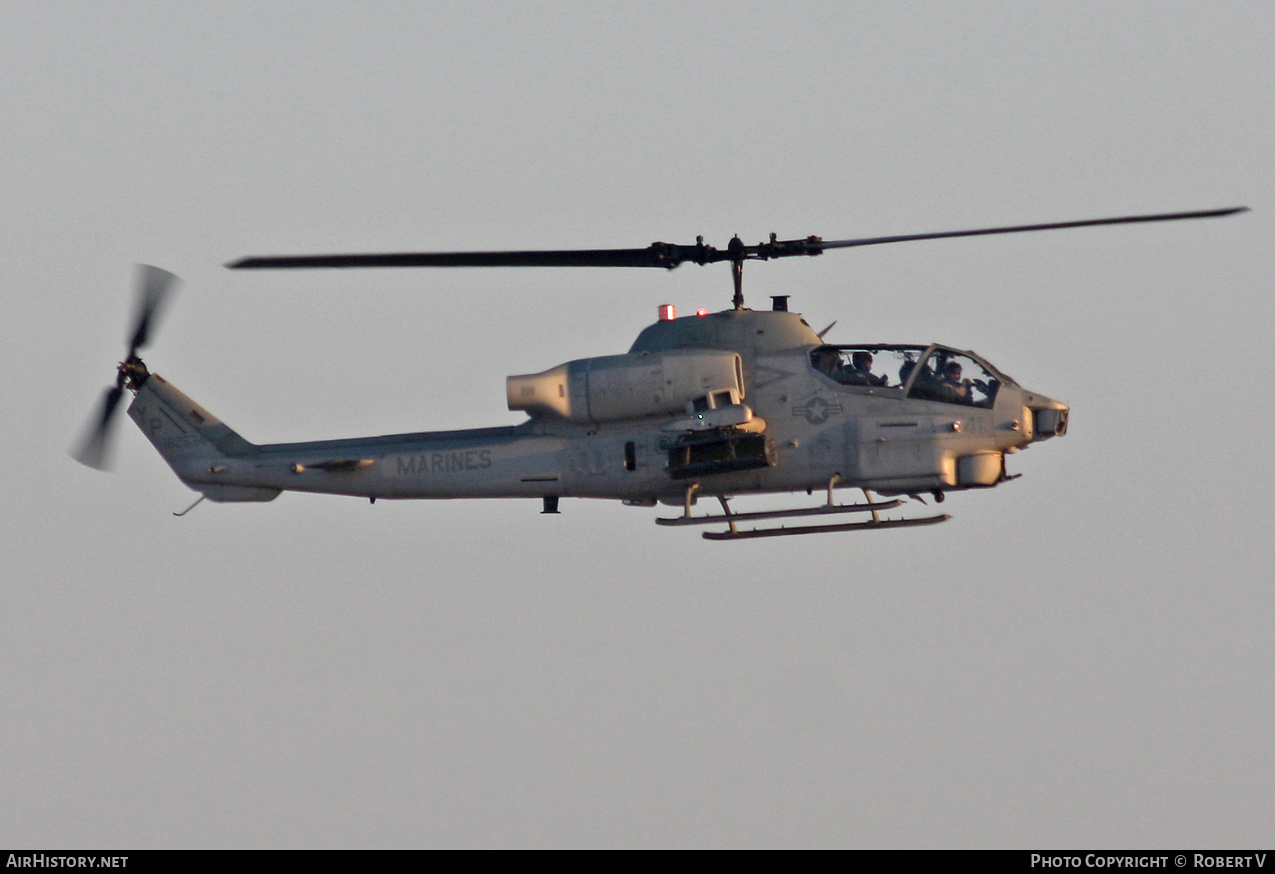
(195, 443)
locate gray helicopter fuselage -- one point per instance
(820, 425)
(720, 404)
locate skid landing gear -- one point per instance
(733, 519)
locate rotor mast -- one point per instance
(736, 248)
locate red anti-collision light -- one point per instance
(701, 312)
(668, 312)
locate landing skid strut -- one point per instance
(823, 529)
(830, 508)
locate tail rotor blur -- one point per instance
(154, 288)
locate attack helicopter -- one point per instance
(737, 402)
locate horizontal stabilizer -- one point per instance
(335, 465)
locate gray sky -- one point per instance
(1079, 658)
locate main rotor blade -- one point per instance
(1017, 229)
(94, 450)
(664, 255)
(154, 287)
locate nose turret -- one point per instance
(1048, 416)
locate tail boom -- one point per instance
(211, 458)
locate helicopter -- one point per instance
(723, 404)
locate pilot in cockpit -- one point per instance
(861, 371)
(906, 371)
(827, 361)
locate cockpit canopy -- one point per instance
(932, 373)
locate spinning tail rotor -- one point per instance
(154, 288)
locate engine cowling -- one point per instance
(632, 386)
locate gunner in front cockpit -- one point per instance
(950, 387)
